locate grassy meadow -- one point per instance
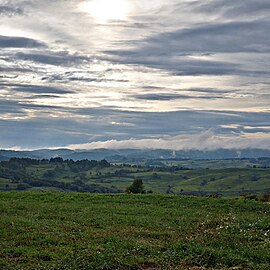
(61, 230)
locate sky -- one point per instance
(174, 74)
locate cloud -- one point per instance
(234, 8)
(41, 126)
(204, 141)
(213, 91)
(43, 96)
(181, 65)
(39, 133)
(53, 58)
(83, 76)
(10, 11)
(171, 70)
(192, 50)
(39, 89)
(16, 69)
(20, 42)
(214, 37)
(35, 89)
(165, 96)
(145, 124)
(16, 106)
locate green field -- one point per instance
(86, 231)
(102, 177)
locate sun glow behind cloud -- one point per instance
(107, 10)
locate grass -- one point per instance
(56, 230)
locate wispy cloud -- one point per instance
(166, 96)
(52, 58)
(19, 42)
(35, 88)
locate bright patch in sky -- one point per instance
(107, 10)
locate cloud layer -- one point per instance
(173, 74)
(203, 141)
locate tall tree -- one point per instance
(136, 187)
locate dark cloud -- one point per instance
(178, 65)
(211, 90)
(99, 125)
(229, 8)
(10, 11)
(40, 89)
(43, 96)
(165, 96)
(53, 58)
(172, 123)
(16, 69)
(208, 38)
(10, 106)
(15, 107)
(195, 90)
(20, 42)
(83, 77)
(212, 38)
(173, 51)
(40, 133)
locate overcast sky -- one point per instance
(175, 74)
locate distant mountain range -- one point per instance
(133, 155)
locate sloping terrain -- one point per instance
(103, 177)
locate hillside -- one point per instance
(103, 177)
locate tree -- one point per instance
(136, 187)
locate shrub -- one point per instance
(248, 196)
(265, 197)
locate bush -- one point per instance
(248, 196)
(214, 195)
(257, 197)
(265, 198)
